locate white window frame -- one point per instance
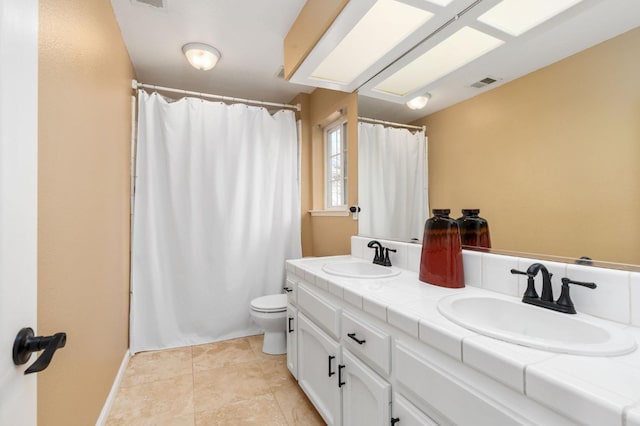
(330, 176)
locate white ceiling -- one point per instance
(250, 34)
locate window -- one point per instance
(335, 141)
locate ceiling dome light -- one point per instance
(201, 56)
(419, 102)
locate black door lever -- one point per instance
(26, 343)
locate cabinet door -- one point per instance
(292, 340)
(318, 359)
(366, 397)
(407, 414)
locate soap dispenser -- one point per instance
(474, 230)
(441, 261)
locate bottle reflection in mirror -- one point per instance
(441, 261)
(474, 230)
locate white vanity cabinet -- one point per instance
(318, 360)
(359, 370)
(292, 340)
(319, 353)
(342, 387)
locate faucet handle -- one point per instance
(387, 261)
(568, 281)
(531, 292)
(565, 299)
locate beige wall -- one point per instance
(551, 159)
(83, 213)
(325, 236)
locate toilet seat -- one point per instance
(270, 303)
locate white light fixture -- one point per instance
(457, 50)
(201, 56)
(516, 17)
(419, 102)
(384, 26)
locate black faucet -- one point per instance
(563, 304)
(382, 253)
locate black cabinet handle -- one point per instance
(287, 289)
(25, 344)
(290, 329)
(331, 373)
(353, 336)
(394, 420)
(340, 382)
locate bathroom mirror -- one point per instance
(551, 159)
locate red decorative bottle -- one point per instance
(441, 261)
(474, 230)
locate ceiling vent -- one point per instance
(158, 4)
(484, 82)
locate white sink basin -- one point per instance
(512, 321)
(355, 269)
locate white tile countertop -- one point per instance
(587, 389)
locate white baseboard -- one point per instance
(106, 409)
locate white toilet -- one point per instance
(270, 314)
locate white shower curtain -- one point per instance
(392, 182)
(216, 215)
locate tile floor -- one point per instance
(224, 383)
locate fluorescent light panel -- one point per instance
(457, 50)
(383, 27)
(516, 17)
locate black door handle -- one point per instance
(340, 382)
(353, 336)
(290, 329)
(331, 373)
(26, 343)
(394, 420)
(287, 289)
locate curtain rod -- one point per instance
(391, 123)
(137, 85)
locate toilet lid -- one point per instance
(270, 303)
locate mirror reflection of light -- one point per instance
(457, 50)
(516, 17)
(419, 102)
